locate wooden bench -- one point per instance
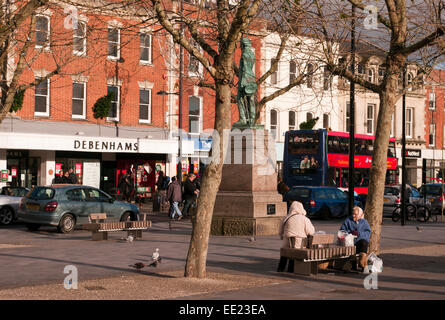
(99, 227)
(317, 250)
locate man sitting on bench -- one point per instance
(297, 225)
(359, 227)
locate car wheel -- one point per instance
(127, 216)
(32, 226)
(66, 224)
(325, 213)
(6, 215)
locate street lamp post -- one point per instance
(352, 118)
(403, 148)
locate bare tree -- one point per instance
(408, 32)
(216, 27)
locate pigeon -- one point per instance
(138, 265)
(252, 239)
(418, 229)
(130, 238)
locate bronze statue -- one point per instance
(247, 87)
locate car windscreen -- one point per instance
(433, 190)
(301, 192)
(391, 191)
(41, 193)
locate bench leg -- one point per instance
(136, 234)
(305, 268)
(98, 236)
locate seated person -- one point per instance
(359, 227)
(297, 225)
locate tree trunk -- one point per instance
(374, 201)
(202, 221)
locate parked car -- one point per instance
(65, 206)
(434, 194)
(10, 198)
(392, 197)
(320, 202)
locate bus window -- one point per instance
(304, 143)
(391, 148)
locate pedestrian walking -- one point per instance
(190, 194)
(174, 195)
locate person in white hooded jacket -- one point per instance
(295, 225)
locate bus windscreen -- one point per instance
(303, 143)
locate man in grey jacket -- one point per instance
(174, 195)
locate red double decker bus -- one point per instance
(321, 158)
(338, 160)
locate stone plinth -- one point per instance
(247, 202)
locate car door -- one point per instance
(100, 202)
(337, 202)
(78, 205)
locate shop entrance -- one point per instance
(24, 171)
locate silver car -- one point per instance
(10, 198)
(64, 206)
(392, 197)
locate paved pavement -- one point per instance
(413, 259)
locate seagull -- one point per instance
(155, 263)
(155, 259)
(138, 265)
(155, 255)
(130, 238)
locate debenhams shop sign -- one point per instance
(101, 145)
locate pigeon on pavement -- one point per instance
(138, 265)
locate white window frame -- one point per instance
(391, 132)
(310, 77)
(118, 107)
(150, 48)
(47, 46)
(370, 119)
(199, 72)
(443, 136)
(370, 75)
(327, 79)
(274, 75)
(432, 133)
(277, 125)
(118, 42)
(146, 105)
(294, 126)
(200, 121)
(409, 122)
(432, 101)
(43, 114)
(83, 115)
(329, 120)
(84, 38)
(292, 74)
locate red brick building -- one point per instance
(435, 122)
(97, 55)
